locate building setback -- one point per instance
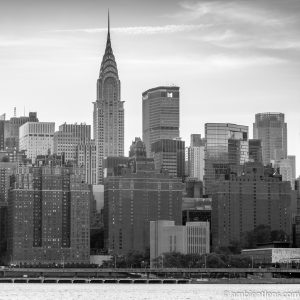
(48, 216)
(244, 202)
(108, 116)
(160, 115)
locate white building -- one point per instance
(287, 169)
(36, 138)
(166, 237)
(273, 255)
(196, 156)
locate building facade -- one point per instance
(196, 155)
(37, 138)
(169, 155)
(68, 137)
(48, 216)
(287, 169)
(242, 203)
(271, 129)
(167, 237)
(108, 116)
(255, 151)
(82, 130)
(226, 150)
(86, 157)
(65, 143)
(160, 115)
(136, 195)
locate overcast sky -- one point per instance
(230, 58)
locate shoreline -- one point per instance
(76, 280)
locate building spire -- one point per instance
(108, 26)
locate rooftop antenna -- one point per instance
(15, 112)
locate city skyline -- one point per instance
(231, 60)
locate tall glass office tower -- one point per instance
(271, 129)
(226, 150)
(160, 115)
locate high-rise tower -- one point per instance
(226, 150)
(160, 115)
(108, 110)
(271, 129)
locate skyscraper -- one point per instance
(271, 129)
(226, 150)
(108, 110)
(160, 115)
(196, 157)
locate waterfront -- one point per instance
(145, 292)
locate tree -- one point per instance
(279, 235)
(260, 234)
(5, 159)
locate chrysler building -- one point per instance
(108, 116)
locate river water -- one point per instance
(148, 291)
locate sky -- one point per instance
(230, 58)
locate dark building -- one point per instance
(7, 169)
(255, 151)
(196, 210)
(12, 129)
(108, 116)
(3, 233)
(193, 188)
(169, 155)
(160, 115)
(136, 197)
(48, 216)
(244, 202)
(113, 165)
(14, 156)
(2, 136)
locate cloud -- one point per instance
(140, 30)
(209, 63)
(248, 26)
